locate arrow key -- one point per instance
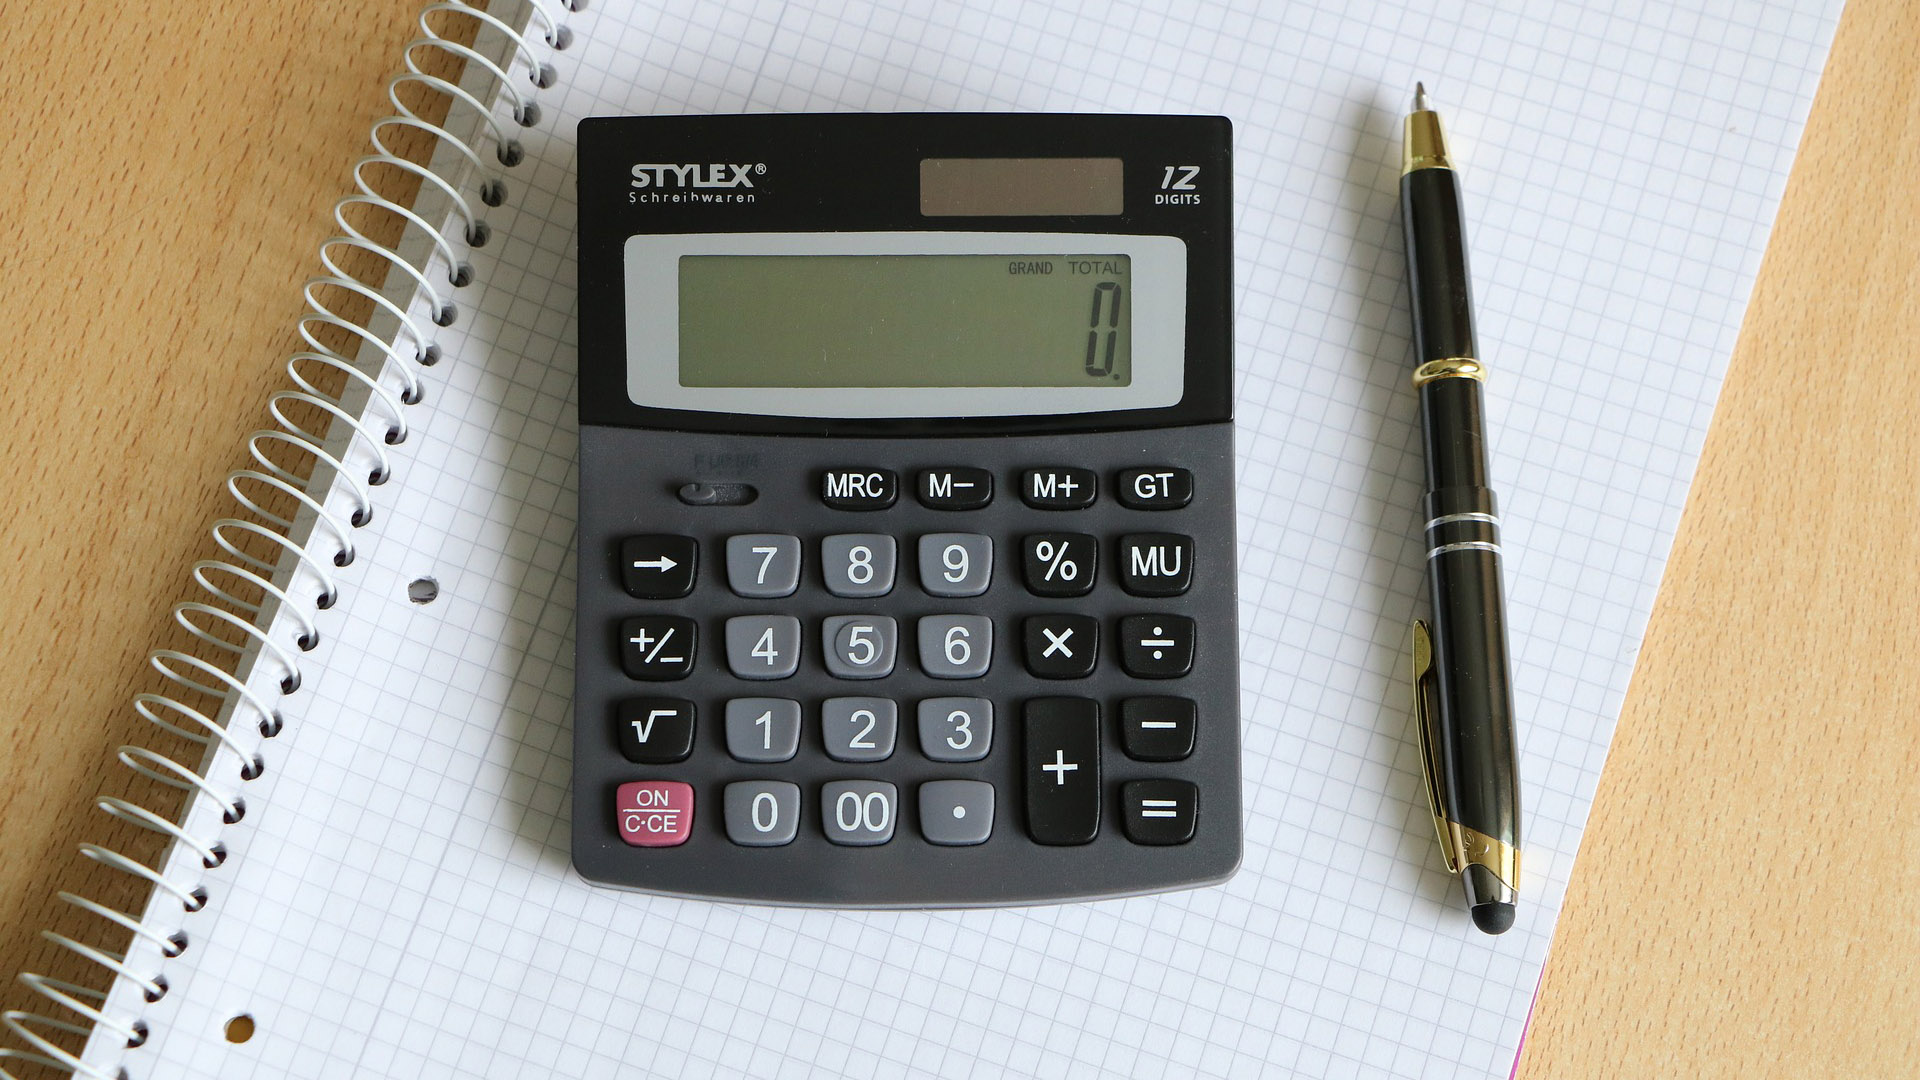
(658, 566)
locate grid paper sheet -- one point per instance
(399, 902)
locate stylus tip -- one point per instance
(1493, 917)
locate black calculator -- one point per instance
(906, 549)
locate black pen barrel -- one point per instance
(1437, 265)
(1473, 697)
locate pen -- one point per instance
(1463, 700)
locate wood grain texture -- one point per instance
(1747, 898)
(166, 185)
(1747, 902)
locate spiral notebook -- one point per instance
(371, 877)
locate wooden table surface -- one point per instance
(1747, 899)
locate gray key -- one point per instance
(859, 646)
(859, 728)
(763, 564)
(859, 813)
(955, 564)
(956, 646)
(858, 564)
(955, 812)
(956, 728)
(763, 729)
(763, 646)
(761, 813)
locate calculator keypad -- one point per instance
(1040, 651)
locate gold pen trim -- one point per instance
(1451, 367)
(1460, 845)
(1426, 719)
(1425, 144)
(1478, 849)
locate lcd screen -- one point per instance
(936, 320)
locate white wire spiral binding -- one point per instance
(277, 581)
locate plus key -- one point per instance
(1062, 770)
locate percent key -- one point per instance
(1060, 564)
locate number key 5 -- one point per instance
(859, 646)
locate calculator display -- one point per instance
(903, 324)
(906, 320)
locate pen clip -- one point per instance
(1426, 718)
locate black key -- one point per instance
(657, 648)
(1156, 564)
(1157, 728)
(1063, 770)
(1062, 646)
(1156, 646)
(655, 730)
(1060, 564)
(859, 489)
(1159, 488)
(658, 566)
(1159, 812)
(1059, 488)
(956, 488)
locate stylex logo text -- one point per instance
(719, 182)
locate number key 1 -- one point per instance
(763, 729)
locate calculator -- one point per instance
(906, 546)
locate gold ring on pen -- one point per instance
(1452, 367)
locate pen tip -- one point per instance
(1420, 97)
(1493, 917)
